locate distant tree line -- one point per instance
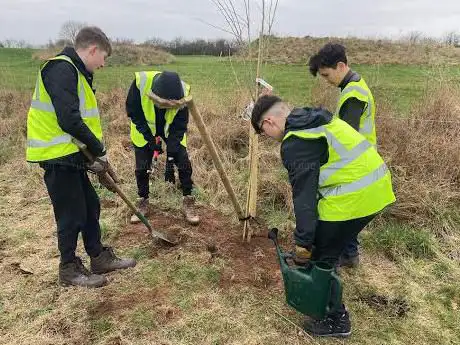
(10, 43)
(216, 47)
(180, 46)
(451, 38)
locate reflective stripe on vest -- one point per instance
(346, 157)
(146, 80)
(45, 138)
(363, 182)
(354, 182)
(63, 139)
(85, 113)
(367, 119)
(368, 123)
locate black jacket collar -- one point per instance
(349, 77)
(72, 54)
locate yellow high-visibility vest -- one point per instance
(144, 82)
(45, 138)
(360, 91)
(355, 182)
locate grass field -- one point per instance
(399, 85)
(405, 292)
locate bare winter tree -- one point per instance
(240, 19)
(9, 43)
(238, 23)
(69, 30)
(452, 38)
(414, 37)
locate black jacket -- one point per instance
(303, 159)
(61, 79)
(352, 109)
(176, 129)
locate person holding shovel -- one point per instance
(339, 183)
(356, 107)
(150, 121)
(63, 109)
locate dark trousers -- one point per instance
(351, 249)
(144, 156)
(76, 209)
(331, 238)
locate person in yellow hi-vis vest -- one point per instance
(150, 122)
(356, 107)
(64, 108)
(339, 184)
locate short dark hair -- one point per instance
(93, 35)
(262, 105)
(329, 56)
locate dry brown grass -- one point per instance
(422, 150)
(122, 55)
(171, 297)
(290, 50)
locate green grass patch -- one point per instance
(138, 253)
(450, 295)
(190, 279)
(101, 326)
(166, 195)
(105, 230)
(193, 276)
(400, 85)
(398, 240)
(142, 320)
(153, 273)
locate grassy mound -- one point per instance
(123, 55)
(296, 50)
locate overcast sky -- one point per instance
(37, 21)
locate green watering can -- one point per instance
(314, 290)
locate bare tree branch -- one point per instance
(216, 27)
(271, 15)
(70, 29)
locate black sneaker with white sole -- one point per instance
(336, 325)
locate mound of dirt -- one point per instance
(253, 263)
(288, 50)
(122, 55)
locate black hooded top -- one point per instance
(303, 159)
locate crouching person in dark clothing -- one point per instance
(64, 108)
(339, 183)
(150, 121)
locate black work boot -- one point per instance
(107, 261)
(75, 273)
(336, 325)
(349, 261)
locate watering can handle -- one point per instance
(337, 286)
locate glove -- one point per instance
(156, 147)
(100, 165)
(302, 255)
(106, 181)
(169, 171)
